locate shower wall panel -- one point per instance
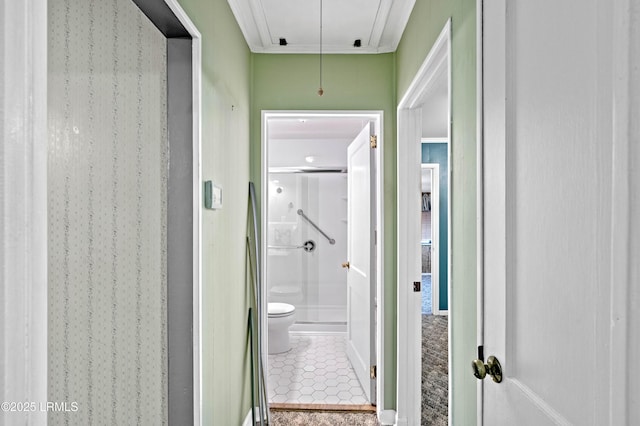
(318, 275)
(107, 181)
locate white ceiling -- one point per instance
(435, 111)
(315, 127)
(292, 139)
(379, 24)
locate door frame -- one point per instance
(409, 329)
(25, 78)
(23, 197)
(378, 118)
(435, 235)
(197, 202)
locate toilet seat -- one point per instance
(277, 310)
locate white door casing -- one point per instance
(434, 169)
(556, 220)
(409, 365)
(361, 255)
(23, 197)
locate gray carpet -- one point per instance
(321, 418)
(435, 382)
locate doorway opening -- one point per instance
(424, 122)
(434, 261)
(319, 169)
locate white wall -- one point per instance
(318, 274)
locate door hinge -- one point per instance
(374, 141)
(416, 286)
(373, 372)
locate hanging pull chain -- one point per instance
(320, 90)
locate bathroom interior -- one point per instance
(306, 283)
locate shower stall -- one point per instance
(307, 243)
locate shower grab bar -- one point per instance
(308, 246)
(285, 247)
(331, 240)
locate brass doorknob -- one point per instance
(492, 368)
(346, 265)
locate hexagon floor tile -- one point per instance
(315, 370)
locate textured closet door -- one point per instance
(107, 183)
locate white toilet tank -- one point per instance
(290, 294)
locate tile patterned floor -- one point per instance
(315, 371)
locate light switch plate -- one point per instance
(216, 199)
(212, 196)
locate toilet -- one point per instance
(290, 294)
(280, 317)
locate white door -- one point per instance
(361, 257)
(553, 194)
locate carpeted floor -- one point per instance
(435, 382)
(321, 418)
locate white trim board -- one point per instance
(480, 201)
(384, 414)
(409, 330)
(23, 196)
(435, 236)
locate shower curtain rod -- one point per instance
(306, 170)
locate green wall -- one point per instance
(236, 87)
(226, 83)
(350, 82)
(427, 20)
(438, 153)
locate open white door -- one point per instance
(362, 257)
(556, 211)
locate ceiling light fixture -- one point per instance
(320, 90)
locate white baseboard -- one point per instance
(387, 417)
(248, 420)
